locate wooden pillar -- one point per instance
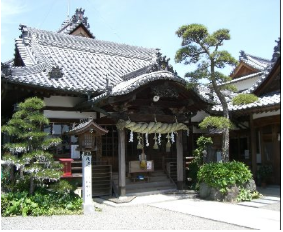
(253, 146)
(276, 155)
(122, 162)
(180, 165)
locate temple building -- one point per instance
(136, 95)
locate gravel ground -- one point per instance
(139, 217)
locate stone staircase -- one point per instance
(158, 182)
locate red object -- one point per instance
(67, 169)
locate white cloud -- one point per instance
(10, 8)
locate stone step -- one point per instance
(151, 179)
(145, 184)
(150, 191)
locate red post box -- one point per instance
(67, 169)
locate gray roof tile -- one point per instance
(86, 63)
(255, 61)
(268, 100)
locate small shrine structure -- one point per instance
(87, 133)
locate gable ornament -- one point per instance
(56, 72)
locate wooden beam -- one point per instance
(265, 121)
(60, 108)
(161, 103)
(63, 120)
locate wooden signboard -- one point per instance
(134, 167)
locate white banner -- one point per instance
(87, 179)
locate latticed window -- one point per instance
(88, 141)
(110, 142)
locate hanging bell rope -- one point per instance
(151, 127)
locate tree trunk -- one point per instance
(225, 145)
(225, 135)
(31, 186)
(12, 173)
(21, 173)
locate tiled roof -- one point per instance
(207, 95)
(70, 24)
(86, 63)
(261, 80)
(130, 85)
(250, 76)
(254, 61)
(87, 123)
(268, 100)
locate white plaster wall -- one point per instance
(69, 114)
(199, 116)
(245, 84)
(63, 101)
(267, 114)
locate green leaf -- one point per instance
(215, 122)
(243, 99)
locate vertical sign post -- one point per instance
(88, 205)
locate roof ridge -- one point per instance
(258, 57)
(84, 43)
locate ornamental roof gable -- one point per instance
(88, 126)
(78, 21)
(249, 64)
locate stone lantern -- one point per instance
(87, 133)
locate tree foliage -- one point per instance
(216, 123)
(244, 98)
(28, 151)
(202, 48)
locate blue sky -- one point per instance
(254, 24)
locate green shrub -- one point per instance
(62, 187)
(43, 202)
(202, 143)
(247, 195)
(192, 174)
(244, 195)
(243, 99)
(224, 175)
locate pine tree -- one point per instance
(202, 48)
(28, 151)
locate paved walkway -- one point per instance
(252, 214)
(254, 218)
